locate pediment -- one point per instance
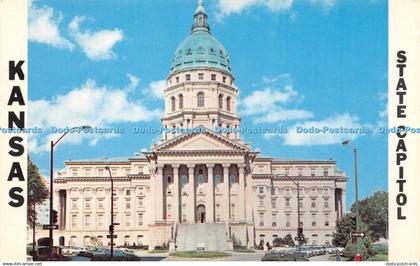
(208, 141)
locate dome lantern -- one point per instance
(200, 18)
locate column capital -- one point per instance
(226, 165)
(159, 166)
(241, 165)
(210, 165)
(190, 165)
(175, 166)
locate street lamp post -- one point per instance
(111, 227)
(299, 230)
(356, 189)
(52, 145)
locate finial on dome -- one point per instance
(200, 18)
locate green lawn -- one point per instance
(201, 254)
(158, 251)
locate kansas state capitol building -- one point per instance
(202, 187)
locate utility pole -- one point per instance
(111, 227)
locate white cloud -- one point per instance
(44, 28)
(97, 45)
(227, 7)
(269, 105)
(324, 3)
(237, 6)
(338, 121)
(89, 104)
(156, 89)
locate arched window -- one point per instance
(184, 181)
(200, 99)
(232, 179)
(217, 180)
(181, 101)
(200, 179)
(228, 103)
(173, 103)
(221, 101)
(169, 179)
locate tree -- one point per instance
(373, 211)
(38, 188)
(287, 240)
(343, 229)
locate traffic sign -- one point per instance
(48, 226)
(109, 236)
(357, 234)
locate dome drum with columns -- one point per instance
(200, 187)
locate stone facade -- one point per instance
(198, 176)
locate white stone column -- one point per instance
(210, 194)
(343, 202)
(191, 195)
(176, 200)
(159, 193)
(241, 192)
(226, 192)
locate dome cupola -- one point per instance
(200, 49)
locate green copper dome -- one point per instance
(200, 49)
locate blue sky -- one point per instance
(296, 63)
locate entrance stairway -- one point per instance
(212, 235)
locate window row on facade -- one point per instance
(102, 221)
(101, 172)
(201, 76)
(312, 222)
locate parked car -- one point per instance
(118, 255)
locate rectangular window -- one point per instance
(224, 79)
(100, 220)
(87, 220)
(114, 171)
(232, 212)
(261, 201)
(327, 220)
(313, 203)
(74, 203)
(325, 171)
(169, 212)
(127, 204)
(140, 202)
(287, 220)
(300, 203)
(217, 212)
(274, 220)
(213, 76)
(87, 172)
(74, 172)
(140, 217)
(87, 204)
(200, 76)
(127, 171)
(188, 77)
(261, 219)
(326, 203)
(100, 203)
(273, 203)
(128, 192)
(287, 202)
(177, 79)
(313, 219)
(261, 189)
(128, 220)
(74, 220)
(101, 172)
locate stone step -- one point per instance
(213, 236)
